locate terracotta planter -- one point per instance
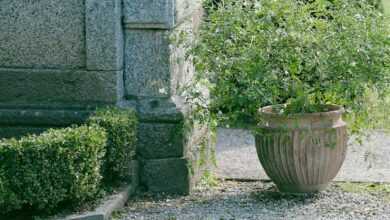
(303, 152)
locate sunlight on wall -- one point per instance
(386, 4)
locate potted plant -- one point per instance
(289, 68)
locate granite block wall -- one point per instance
(57, 58)
(60, 60)
(154, 70)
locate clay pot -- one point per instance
(303, 152)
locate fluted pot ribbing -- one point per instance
(302, 152)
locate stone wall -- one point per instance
(154, 70)
(59, 60)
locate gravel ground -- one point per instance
(237, 158)
(260, 200)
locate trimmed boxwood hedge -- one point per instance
(41, 172)
(121, 126)
(66, 166)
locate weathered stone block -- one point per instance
(18, 131)
(180, 175)
(155, 60)
(181, 67)
(160, 140)
(42, 117)
(157, 14)
(163, 133)
(147, 69)
(186, 8)
(104, 36)
(58, 88)
(166, 175)
(160, 110)
(17, 122)
(201, 155)
(149, 13)
(174, 140)
(42, 34)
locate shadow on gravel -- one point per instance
(271, 196)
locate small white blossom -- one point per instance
(359, 17)
(163, 91)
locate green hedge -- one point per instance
(121, 126)
(67, 165)
(40, 172)
(214, 3)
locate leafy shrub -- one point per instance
(41, 172)
(256, 53)
(121, 126)
(214, 3)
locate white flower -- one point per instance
(163, 91)
(359, 17)
(257, 5)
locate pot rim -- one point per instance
(335, 110)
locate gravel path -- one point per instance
(237, 158)
(260, 200)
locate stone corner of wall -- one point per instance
(158, 14)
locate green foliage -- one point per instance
(379, 4)
(208, 180)
(256, 53)
(121, 126)
(42, 172)
(374, 115)
(383, 189)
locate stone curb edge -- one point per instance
(105, 210)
